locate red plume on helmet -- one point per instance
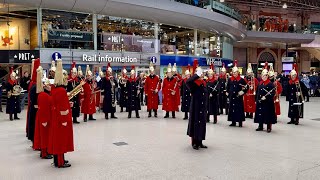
(223, 65)
(235, 63)
(36, 65)
(108, 66)
(132, 67)
(10, 72)
(73, 64)
(195, 65)
(295, 67)
(266, 66)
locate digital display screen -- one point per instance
(287, 67)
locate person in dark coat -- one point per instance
(13, 100)
(24, 83)
(123, 89)
(213, 93)
(133, 103)
(265, 108)
(198, 109)
(108, 90)
(33, 111)
(73, 82)
(186, 96)
(223, 98)
(237, 87)
(295, 97)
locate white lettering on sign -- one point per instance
(215, 61)
(107, 58)
(24, 56)
(218, 47)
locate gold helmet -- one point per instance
(235, 67)
(169, 69)
(271, 71)
(265, 69)
(249, 69)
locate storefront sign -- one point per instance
(17, 56)
(107, 58)
(63, 35)
(214, 61)
(287, 59)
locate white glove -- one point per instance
(251, 88)
(44, 124)
(227, 94)
(298, 94)
(71, 104)
(173, 93)
(263, 98)
(241, 93)
(64, 124)
(156, 91)
(199, 73)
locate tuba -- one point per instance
(16, 90)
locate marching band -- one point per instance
(55, 102)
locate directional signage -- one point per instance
(153, 59)
(55, 56)
(18, 56)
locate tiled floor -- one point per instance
(160, 149)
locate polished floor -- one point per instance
(160, 149)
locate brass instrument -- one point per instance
(253, 84)
(276, 94)
(16, 90)
(112, 92)
(123, 81)
(76, 91)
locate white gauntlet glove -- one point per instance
(241, 93)
(199, 73)
(64, 124)
(298, 94)
(263, 98)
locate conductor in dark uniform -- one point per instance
(198, 108)
(236, 88)
(133, 103)
(223, 98)
(265, 112)
(213, 100)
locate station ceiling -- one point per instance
(298, 5)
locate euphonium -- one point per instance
(75, 91)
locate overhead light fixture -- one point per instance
(285, 6)
(221, 1)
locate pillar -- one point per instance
(95, 32)
(156, 37)
(39, 27)
(195, 42)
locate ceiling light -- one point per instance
(285, 6)
(221, 1)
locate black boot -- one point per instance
(91, 117)
(10, 117)
(85, 118)
(129, 114)
(16, 116)
(185, 116)
(247, 115)
(113, 116)
(201, 145)
(55, 160)
(297, 122)
(208, 118)
(155, 113)
(167, 115)
(260, 128)
(221, 110)
(106, 116)
(291, 121)
(137, 114)
(149, 113)
(121, 109)
(215, 120)
(233, 123)
(240, 124)
(251, 115)
(173, 114)
(75, 120)
(227, 111)
(195, 144)
(269, 128)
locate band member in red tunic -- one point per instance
(250, 97)
(178, 77)
(169, 91)
(88, 105)
(61, 130)
(152, 86)
(278, 91)
(43, 119)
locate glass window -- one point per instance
(62, 29)
(123, 34)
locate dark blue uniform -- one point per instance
(265, 109)
(72, 83)
(109, 100)
(295, 111)
(33, 111)
(213, 99)
(198, 110)
(186, 99)
(133, 103)
(236, 107)
(123, 95)
(223, 98)
(13, 102)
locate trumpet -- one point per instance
(276, 94)
(76, 90)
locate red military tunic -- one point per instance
(44, 115)
(88, 105)
(249, 100)
(170, 101)
(277, 96)
(152, 83)
(60, 136)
